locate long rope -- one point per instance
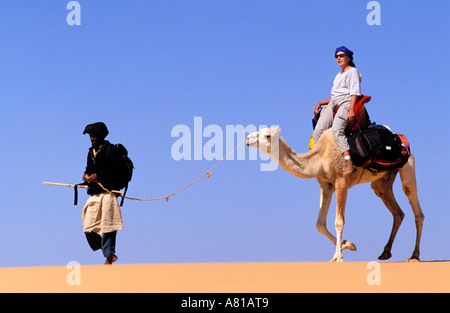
(208, 173)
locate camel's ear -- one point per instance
(278, 130)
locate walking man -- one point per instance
(101, 215)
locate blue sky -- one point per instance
(143, 67)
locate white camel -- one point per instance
(325, 163)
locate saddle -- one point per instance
(373, 147)
(362, 120)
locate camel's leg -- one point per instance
(408, 177)
(341, 198)
(383, 189)
(326, 193)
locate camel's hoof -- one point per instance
(413, 260)
(348, 245)
(337, 258)
(386, 255)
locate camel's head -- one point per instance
(266, 140)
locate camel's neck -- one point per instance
(301, 165)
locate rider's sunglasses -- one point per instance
(340, 55)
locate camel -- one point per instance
(325, 163)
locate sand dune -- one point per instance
(232, 278)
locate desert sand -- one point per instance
(232, 278)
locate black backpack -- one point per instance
(126, 170)
(378, 149)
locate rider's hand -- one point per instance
(316, 108)
(351, 115)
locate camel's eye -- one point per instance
(267, 136)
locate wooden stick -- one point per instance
(79, 186)
(65, 185)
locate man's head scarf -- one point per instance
(98, 129)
